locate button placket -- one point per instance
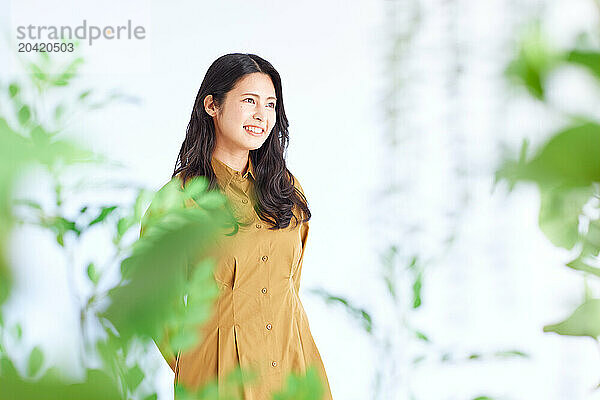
(270, 339)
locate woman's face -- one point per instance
(251, 102)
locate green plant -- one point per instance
(565, 169)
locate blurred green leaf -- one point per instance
(416, 287)
(510, 354)
(306, 386)
(24, 114)
(39, 136)
(5, 276)
(588, 59)
(230, 389)
(389, 283)
(96, 386)
(584, 321)
(202, 289)
(580, 265)
(211, 200)
(84, 95)
(418, 359)
(123, 225)
(388, 261)
(591, 239)
(360, 314)
(155, 273)
(196, 188)
(104, 212)
(134, 377)
(44, 57)
(36, 359)
(68, 73)
(534, 62)
(142, 198)
(559, 213)
(7, 367)
(569, 159)
(18, 331)
(37, 74)
(168, 197)
(422, 336)
(59, 111)
(13, 90)
(60, 226)
(15, 152)
(413, 262)
(511, 170)
(92, 273)
(183, 339)
(28, 203)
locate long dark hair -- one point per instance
(276, 197)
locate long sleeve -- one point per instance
(297, 275)
(303, 236)
(165, 349)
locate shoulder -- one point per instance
(167, 194)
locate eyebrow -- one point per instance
(254, 94)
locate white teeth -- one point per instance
(253, 129)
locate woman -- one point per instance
(236, 137)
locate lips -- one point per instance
(256, 130)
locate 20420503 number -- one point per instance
(46, 47)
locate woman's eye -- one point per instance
(272, 105)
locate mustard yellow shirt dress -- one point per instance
(258, 320)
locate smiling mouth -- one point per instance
(254, 130)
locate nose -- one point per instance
(258, 115)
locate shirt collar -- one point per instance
(225, 173)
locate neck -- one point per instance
(237, 160)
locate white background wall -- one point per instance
(495, 289)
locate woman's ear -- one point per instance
(209, 105)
